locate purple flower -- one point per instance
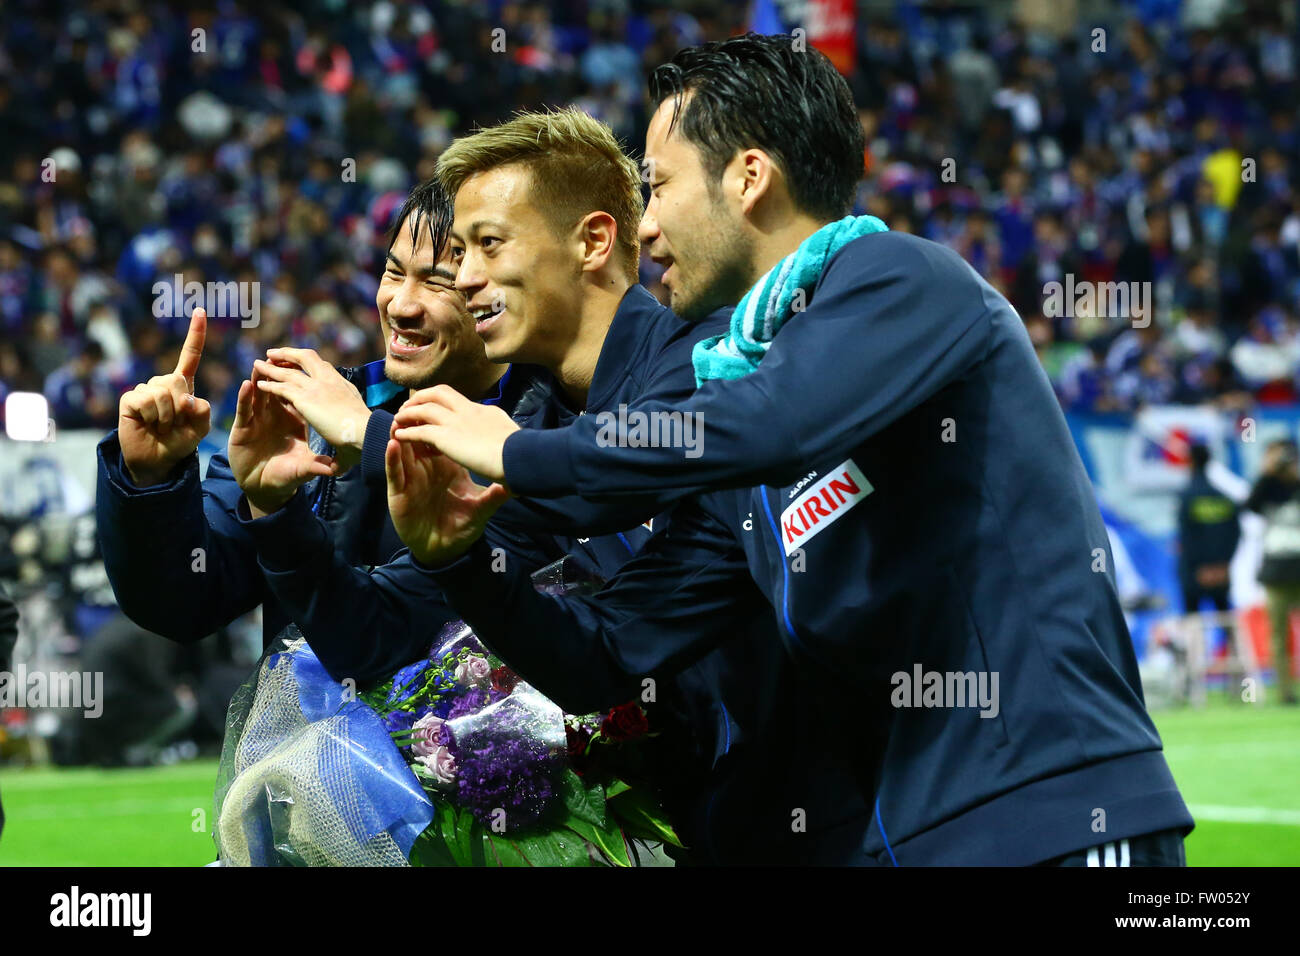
(470, 702)
(508, 771)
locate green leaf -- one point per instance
(644, 827)
(447, 824)
(466, 840)
(556, 847)
(430, 849)
(609, 841)
(584, 802)
(615, 788)
(500, 851)
(643, 817)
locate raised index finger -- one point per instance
(192, 350)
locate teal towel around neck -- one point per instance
(774, 299)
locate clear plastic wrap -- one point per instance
(309, 776)
(454, 761)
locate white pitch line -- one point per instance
(1245, 815)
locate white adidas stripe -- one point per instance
(1105, 855)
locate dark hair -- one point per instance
(429, 206)
(760, 91)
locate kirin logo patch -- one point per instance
(825, 502)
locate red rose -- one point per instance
(504, 679)
(625, 722)
(578, 739)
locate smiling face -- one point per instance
(428, 334)
(691, 228)
(521, 278)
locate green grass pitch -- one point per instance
(1238, 767)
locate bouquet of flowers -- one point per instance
(513, 781)
(455, 761)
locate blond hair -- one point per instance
(576, 167)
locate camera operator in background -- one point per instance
(1276, 496)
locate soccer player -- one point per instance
(905, 490)
(551, 277)
(185, 557)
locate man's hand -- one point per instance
(468, 432)
(268, 450)
(160, 423)
(329, 402)
(437, 509)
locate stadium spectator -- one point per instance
(1266, 358)
(80, 393)
(1085, 384)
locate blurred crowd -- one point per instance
(1150, 151)
(228, 141)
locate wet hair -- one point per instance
(769, 93)
(429, 208)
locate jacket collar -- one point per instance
(623, 342)
(379, 391)
(376, 389)
(498, 393)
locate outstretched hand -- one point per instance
(269, 451)
(468, 432)
(437, 509)
(329, 402)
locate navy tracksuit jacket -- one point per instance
(184, 558)
(330, 561)
(908, 499)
